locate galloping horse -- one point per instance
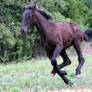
(56, 38)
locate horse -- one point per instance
(56, 37)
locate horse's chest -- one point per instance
(49, 46)
(49, 42)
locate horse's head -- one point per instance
(28, 18)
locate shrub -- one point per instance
(14, 46)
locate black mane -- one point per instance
(42, 12)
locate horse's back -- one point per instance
(70, 28)
(68, 31)
(63, 33)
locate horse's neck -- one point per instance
(41, 24)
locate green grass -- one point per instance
(34, 76)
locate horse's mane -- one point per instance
(42, 12)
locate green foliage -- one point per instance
(7, 41)
(14, 46)
(59, 17)
(6, 36)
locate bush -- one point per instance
(7, 42)
(14, 46)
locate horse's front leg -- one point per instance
(56, 52)
(66, 61)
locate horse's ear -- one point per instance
(25, 7)
(28, 7)
(32, 6)
(35, 6)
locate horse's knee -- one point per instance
(69, 62)
(53, 61)
(81, 60)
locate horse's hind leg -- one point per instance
(81, 60)
(66, 61)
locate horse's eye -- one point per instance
(28, 16)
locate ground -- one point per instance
(34, 76)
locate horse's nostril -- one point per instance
(23, 32)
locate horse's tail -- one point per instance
(88, 35)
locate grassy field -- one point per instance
(34, 76)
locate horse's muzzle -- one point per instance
(23, 31)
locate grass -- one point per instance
(34, 76)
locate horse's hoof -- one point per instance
(52, 74)
(78, 76)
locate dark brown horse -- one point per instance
(56, 38)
